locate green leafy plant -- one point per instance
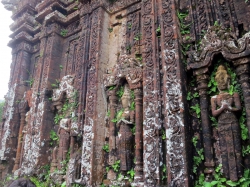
(110, 29)
(131, 174)
(185, 48)
(53, 137)
(37, 182)
(61, 67)
(190, 96)
(158, 29)
(246, 150)
(57, 118)
(220, 181)
(188, 38)
(63, 184)
(132, 106)
(184, 28)
(163, 136)
(132, 95)
(196, 108)
(64, 32)
(164, 172)
(198, 159)
(139, 58)
(195, 141)
(120, 92)
(118, 116)
(54, 85)
(116, 166)
(242, 121)
(214, 121)
(129, 25)
(128, 48)
(111, 88)
(133, 129)
(1, 109)
(105, 148)
(216, 23)
(108, 113)
(30, 81)
(138, 37)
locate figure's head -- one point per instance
(222, 78)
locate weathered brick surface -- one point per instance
(161, 51)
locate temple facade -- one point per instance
(128, 93)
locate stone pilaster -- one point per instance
(202, 81)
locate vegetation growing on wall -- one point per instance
(1, 109)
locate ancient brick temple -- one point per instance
(128, 93)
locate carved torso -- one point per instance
(226, 116)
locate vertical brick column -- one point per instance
(138, 135)
(202, 81)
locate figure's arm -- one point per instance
(213, 107)
(236, 102)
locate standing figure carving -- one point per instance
(224, 106)
(64, 140)
(65, 104)
(126, 136)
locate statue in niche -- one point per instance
(224, 106)
(64, 140)
(126, 136)
(68, 129)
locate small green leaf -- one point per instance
(231, 183)
(63, 184)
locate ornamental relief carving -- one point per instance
(124, 97)
(64, 102)
(228, 88)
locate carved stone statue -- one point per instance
(64, 140)
(224, 106)
(65, 90)
(126, 136)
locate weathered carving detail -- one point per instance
(87, 147)
(99, 48)
(173, 103)
(130, 71)
(219, 40)
(23, 107)
(126, 137)
(151, 106)
(65, 96)
(224, 106)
